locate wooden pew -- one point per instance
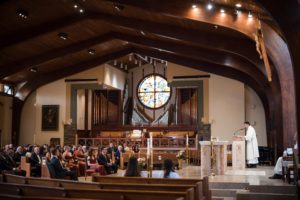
(25, 165)
(84, 185)
(30, 190)
(202, 186)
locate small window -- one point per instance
(153, 91)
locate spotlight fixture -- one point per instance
(194, 6)
(91, 51)
(209, 6)
(75, 6)
(222, 11)
(119, 8)
(81, 10)
(238, 5)
(143, 33)
(22, 13)
(250, 15)
(33, 69)
(62, 35)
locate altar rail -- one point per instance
(158, 143)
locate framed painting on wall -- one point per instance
(50, 117)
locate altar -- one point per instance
(213, 157)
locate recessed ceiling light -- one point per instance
(33, 69)
(222, 11)
(238, 5)
(91, 51)
(143, 33)
(22, 13)
(194, 6)
(209, 6)
(81, 10)
(75, 6)
(119, 8)
(62, 35)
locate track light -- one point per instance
(22, 13)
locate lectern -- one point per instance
(238, 153)
(213, 157)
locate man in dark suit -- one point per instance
(35, 162)
(60, 171)
(103, 160)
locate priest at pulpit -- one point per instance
(252, 154)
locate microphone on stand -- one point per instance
(235, 132)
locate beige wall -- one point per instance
(28, 120)
(59, 93)
(226, 106)
(5, 119)
(31, 130)
(255, 114)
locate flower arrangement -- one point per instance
(180, 155)
(142, 161)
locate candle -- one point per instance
(148, 147)
(151, 141)
(187, 140)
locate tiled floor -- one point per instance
(253, 176)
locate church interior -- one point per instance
(131, 99)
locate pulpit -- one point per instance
(213, 157)
(238, 153)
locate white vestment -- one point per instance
(252, 146)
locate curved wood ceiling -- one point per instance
(202, 39)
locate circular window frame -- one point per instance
(137, 92)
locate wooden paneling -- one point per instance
(188, 108)
(106, 108)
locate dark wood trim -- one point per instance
(81, 80)
(86, 109)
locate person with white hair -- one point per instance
(18, 154)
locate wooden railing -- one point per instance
(158, 143)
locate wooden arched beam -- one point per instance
(211, 39)
(287, 15)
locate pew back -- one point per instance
(30, 190)
(25, 165)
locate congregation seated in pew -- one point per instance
(103, 159)
(58, 170)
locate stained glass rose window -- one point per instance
(153, 91)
